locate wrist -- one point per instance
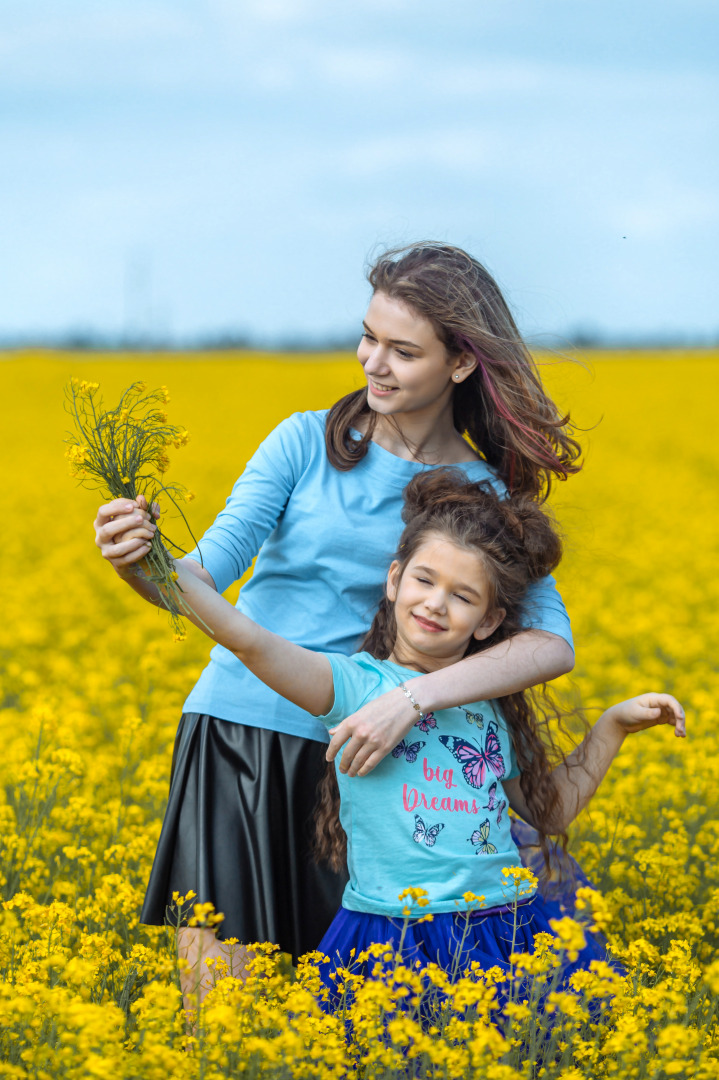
(412, 697)
(611, 720)
(127, 573)
(421, 688)
(133, 572)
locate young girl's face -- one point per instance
(406, 365)
(441, 601)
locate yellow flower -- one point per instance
(418, 896)
(570, 936)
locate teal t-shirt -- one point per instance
(433, 814)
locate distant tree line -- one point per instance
(87, 340)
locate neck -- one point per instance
(427, 435)
(410, 658)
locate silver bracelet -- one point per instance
(408, 694)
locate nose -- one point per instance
(436, 601)
(374, 360)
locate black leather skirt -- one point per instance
(238, 831)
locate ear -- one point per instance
(489, 624)
(463, 366)
(393, 576)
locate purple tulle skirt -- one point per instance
(454, 940)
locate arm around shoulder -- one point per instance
(528, 659)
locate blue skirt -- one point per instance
(488, 937)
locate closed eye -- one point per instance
(463, 598)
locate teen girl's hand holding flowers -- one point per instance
(123, 451)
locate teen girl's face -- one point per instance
(441, 601)
(406, 365)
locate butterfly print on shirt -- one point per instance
(474, 718)
(426, 722)
(475, 760)
(492, 804)
(408, 750)
(423, 832)
(480, 839)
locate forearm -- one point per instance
(578, 778)
(525, 660)
(300, 675)
(202, 605)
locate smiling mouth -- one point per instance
(379, 388)
(427, 624)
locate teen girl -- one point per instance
(433, 814)
(449, 382)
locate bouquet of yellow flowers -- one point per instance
(123, 453)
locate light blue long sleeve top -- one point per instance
(325, 540)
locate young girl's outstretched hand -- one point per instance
(577, 778)
(648, 710)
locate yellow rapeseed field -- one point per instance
(91, 690)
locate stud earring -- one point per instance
(456, 376)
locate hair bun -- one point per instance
(534, 530)
(445, 486)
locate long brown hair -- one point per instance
(518, 544)
(502, 407)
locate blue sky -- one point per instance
(184, 168)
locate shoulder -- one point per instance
(363, 669)
(308, 425)
(361, 662)
(299, 438)
(356, 679)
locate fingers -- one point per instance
(128, 527)
(121, 508)
(365, 762)
(665, 709)
(113, 509)
(142, 503)
(359, 756)
(339, 734)
(348, 755)
(130, 552)
(124, 536)
(356, 758)
(674, 715)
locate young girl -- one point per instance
(433, 814)
(449, 382)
